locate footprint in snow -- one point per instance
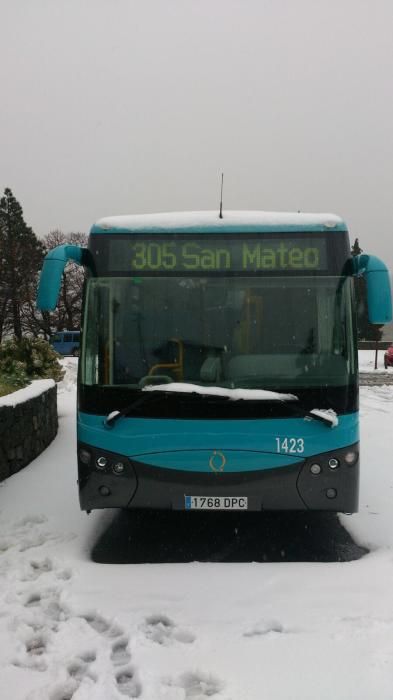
(102, 626)
(33, 600)
(125, 675)
(33, 654)
(36, 645)
(120, 654)
(198, 685)
(78, 672)
(264, 627)
(127, 682)
(64, 691)
(44, 610)
(79, 667)
(36, 568)
(162, 630)
(50, 605)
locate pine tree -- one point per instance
(21, 255)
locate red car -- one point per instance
(388, 357)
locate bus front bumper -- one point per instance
(326, 481)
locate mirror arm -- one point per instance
(376, 275)
(52, 272)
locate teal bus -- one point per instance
(218, 361)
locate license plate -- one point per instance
(216, 502)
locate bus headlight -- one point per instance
(101, 462)
(118, 468)
(333, 463)
(315, 469)
(84, 456)
(351, 457)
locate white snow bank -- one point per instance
(233, 394)
(68, 383)
(36, 388)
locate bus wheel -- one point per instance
(75, 352)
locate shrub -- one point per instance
(29, 358)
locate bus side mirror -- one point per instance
(52, 272)
(379, 295)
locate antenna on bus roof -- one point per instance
(222, 185)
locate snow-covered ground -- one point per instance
(71, 628)
(367, 361)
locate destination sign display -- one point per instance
(206, 254)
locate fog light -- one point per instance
(331, 493)
(118, 468)
(84, 456)
(334, 463)
(101, 462)
(315, 469)
(104, 491)
(351, 457)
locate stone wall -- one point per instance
(26, 429)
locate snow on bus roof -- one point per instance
(232, 221)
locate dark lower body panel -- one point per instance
(294, 487)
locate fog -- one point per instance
(130, 107)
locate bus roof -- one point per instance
(209, 221)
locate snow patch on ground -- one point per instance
(367, 362)
(71, 629)
(34, 389)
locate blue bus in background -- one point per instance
(218, 366)
(66, 342)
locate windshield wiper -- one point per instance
(156, 394)
(323, 416)
(114, 416)
(152, 397)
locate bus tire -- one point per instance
(75, 352)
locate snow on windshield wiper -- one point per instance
(160, 390)
(326, 416)
(222, 392)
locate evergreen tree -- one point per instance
(21, 255)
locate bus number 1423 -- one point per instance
(292, 446)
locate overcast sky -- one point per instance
(125, 106)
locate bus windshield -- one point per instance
(250, 332)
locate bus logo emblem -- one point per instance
(217, 462)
